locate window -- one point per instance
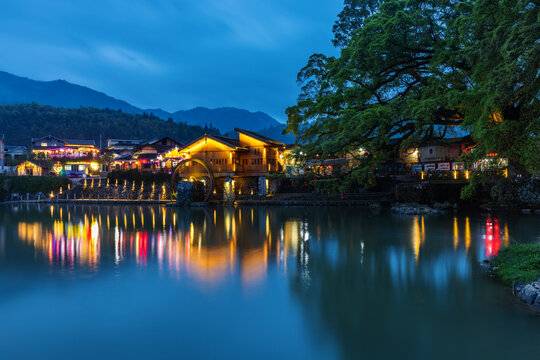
(67, 167)
(430, 151)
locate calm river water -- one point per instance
(89, 282)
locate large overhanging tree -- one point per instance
(410, 69)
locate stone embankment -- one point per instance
(421, 209)
(529, 293)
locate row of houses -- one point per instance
(248, 154)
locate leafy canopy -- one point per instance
(409, 70)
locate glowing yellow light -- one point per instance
(455, 174)
(497, 117)
(421, 175)
(505, 172)
(57, 168)
(94, 166)
(467, 174)
(52, 194)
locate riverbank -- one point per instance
(519, 266)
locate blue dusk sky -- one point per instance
(170, 54)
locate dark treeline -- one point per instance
(21, 123)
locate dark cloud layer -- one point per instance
(173, 54)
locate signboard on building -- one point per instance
(443, 166)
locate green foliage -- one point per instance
(518, 263)
(21, 123)
(31, 184)
(468, 192)
(410, 69)
(481, 181)
(328, 186)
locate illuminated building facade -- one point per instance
(145, 156)
(247, 159)
(250, 154)
(70, 157)
(29, 168)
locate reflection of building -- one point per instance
(65, 243)
(201, 244)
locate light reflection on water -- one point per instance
(204, 244)
(351, 277)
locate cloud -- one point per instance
(122, 57)
(171, 54)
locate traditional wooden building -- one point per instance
(247, 160)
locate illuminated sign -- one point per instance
(57, 168)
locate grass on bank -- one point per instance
(518, 263)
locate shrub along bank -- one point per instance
(31, 184)
(518, 263)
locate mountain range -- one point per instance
(60, 93)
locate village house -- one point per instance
(436, 155)
(15, 152)
(121, 147)
(247, 159)
(70, 157)
(29, 168)
(148, 156)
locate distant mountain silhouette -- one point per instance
(18, 90)
(60, 93)
(226, 119)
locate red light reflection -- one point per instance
(493, 238)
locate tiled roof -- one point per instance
(259, 137)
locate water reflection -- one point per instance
(64, 243)
(357, 277)
(212, 244)
(206, 244)
(492, 237)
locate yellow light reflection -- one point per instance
(456, 233)
(467, 234)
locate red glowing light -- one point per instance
(493, 237)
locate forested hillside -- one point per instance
(21, 123)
